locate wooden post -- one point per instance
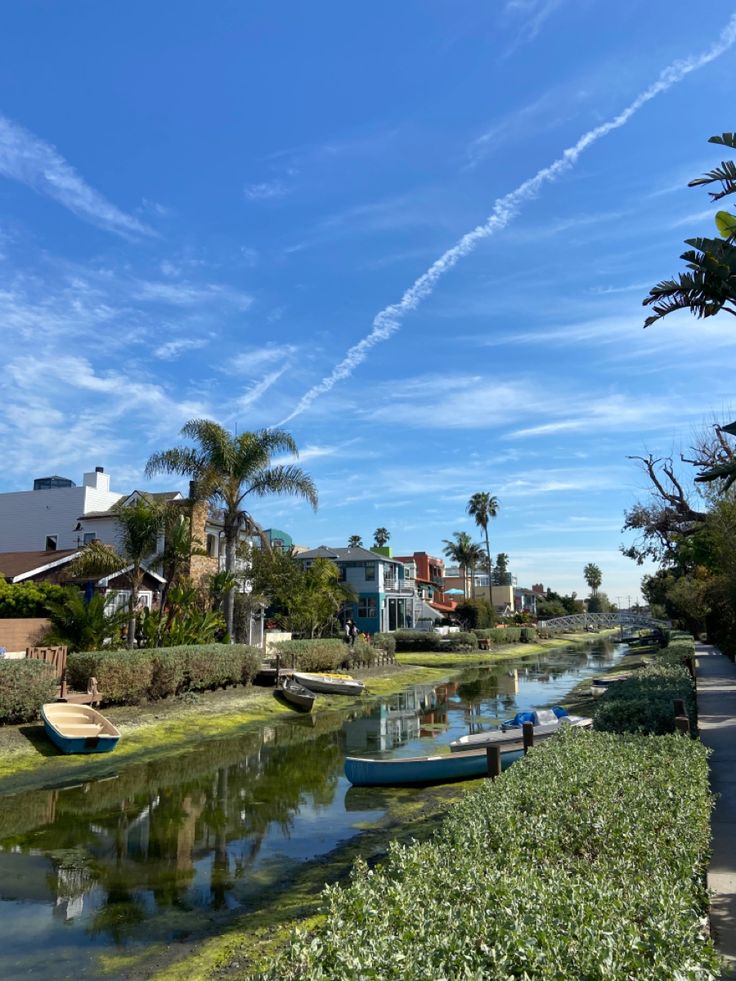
(682, 724)
(493, 759)
(528, 735)
(679, 706)
(278, 670)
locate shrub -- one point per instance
(460, 642)
(385, 642)
(361, 651)
(325, 654)
(122, 676)
(417, 640)
(502, 635)
(474, 613)
(644, 702)
(605, 880)
(27, 599)
(528, 635)
(24, 687)
(130, 676)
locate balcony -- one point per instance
(405, 587)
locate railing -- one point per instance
(396, 585)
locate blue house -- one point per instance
(386, 599)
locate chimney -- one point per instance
(98, 480)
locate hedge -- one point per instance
(417, 640)
(502, 635)
(385, 642)
(130, 676)
(24, 687)
(326, 654)
(460, 642)
(644, 702)
(586, 859)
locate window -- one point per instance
(212, 545)
(52, 542)
(343, 573)
(367, 606)
(370, 572)
(89, 537)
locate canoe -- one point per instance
(420, 770)
(78, 728)
(329, 684)
(296, 694)
(511, 733)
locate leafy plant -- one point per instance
(24, 687)
(83, 625)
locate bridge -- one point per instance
(621, 618)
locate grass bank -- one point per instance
(28, 759)
(502, 653)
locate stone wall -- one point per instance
(17, 634)
(201, 565)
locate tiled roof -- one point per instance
(14, 564)
(345, 555)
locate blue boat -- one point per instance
(417, 771)
(78, 728)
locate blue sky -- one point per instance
(209, 211)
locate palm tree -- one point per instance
(464, 552)
(226, 469)
(355, 541)
(140, 526)
(483, 506)
(381, 537)
(593, 576)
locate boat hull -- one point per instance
(421, 770)
(78, 729)
(296, 695)
(327, 685)
(514, 738)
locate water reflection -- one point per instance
(137, 858)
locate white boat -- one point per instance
(330, 684)
(511, 734)
(78, 728)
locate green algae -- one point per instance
(442, 659)
(28, 759)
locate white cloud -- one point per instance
(183, 294)
(266, 190)
(253, 394)
(172, 349)
(254, 360)
(26, 158)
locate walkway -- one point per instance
(717, 721)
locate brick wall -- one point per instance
(16, 634)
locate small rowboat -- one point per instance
(296, 694)
(421, 770)
(546, 723)
(329, 684)
(78, 728)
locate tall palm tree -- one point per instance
(226, 469)
(482, 507)
(381, 537)
(140, 526)
(464, 552)
(593, 576)
(355, 541)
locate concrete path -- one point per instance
(717, 722)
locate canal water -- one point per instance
(170, 850)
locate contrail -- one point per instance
(388, 320)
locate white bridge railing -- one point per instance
(621, 618)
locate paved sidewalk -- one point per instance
(717, 722)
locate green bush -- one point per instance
(474, 613)
(130, 676)
(502, 635)
(460, 642)
(644, 702)
(528, 635)
(24, 687)
(123, 677)
(417, 640)
(362, 651)
(586, 859)
(26, 599)
(385, 642)
(325, 654)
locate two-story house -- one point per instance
(387, 599)
(428, 572)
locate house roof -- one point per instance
(17, 566)
(134, 495)
(345, 555)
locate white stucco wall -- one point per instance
(27, 517)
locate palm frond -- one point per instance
(725, 139)
(96, 561)
(725, 174)
(286, 479)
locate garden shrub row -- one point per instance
(586, 859)
(325, 654)
(130, 676)
(645, 702)
(503, 635)
(24, 687)
(409, 641)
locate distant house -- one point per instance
(387, 600)
(429, 574)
